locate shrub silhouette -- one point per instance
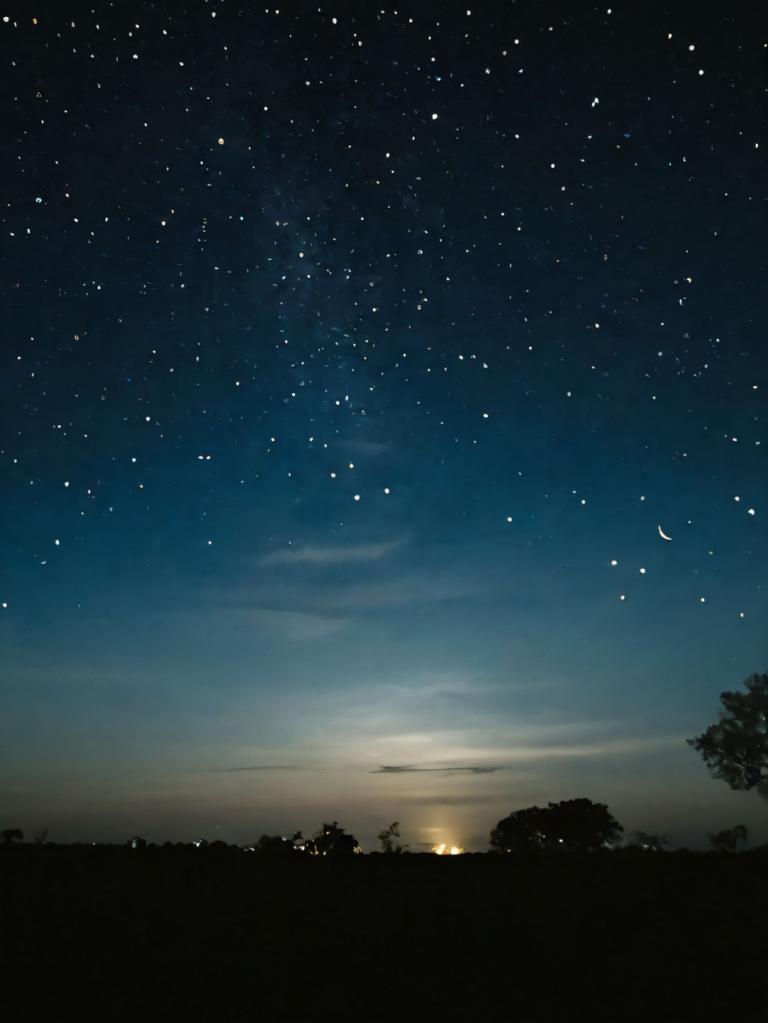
(387, 837)
(729, 839)
(274, 845)
(333, 840)
(654, 843)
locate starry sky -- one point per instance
(354, 360)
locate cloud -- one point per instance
(296, 624)
(605, 748)
(411, 768)
(256, 767)
(468, 800)
(331, 555)
(408, 589)
(371, 448)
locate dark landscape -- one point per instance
(217, 934)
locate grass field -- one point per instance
(114, 933)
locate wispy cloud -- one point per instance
(296, 624)
(439, 800)
(604, 748)
(255, 767)
(408, 589)
(413, 768)
(331, 555)
(371, 448)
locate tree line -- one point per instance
(735, 749)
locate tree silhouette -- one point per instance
(333, 840)
(581, 824)
(521, 831)
(729, 839)
(11, 835)
(736, 748)
(573, 824)
(300, 843)
(655, 843)
(274, 845)
(387, 836)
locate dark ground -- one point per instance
(113, 933)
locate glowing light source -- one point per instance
(447, 850)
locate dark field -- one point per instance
(115, 934)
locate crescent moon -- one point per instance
(662, 534)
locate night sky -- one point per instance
(354, 360)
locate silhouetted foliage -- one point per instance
(302, 844)
(729, 839)
(42, 836)
(521, 831)
(736, 748)
(573, 824)
(10, 835)
(653, 843)
(333, 840)
(387, 839)
(274, 845)
(582, 824)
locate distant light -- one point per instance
(447, 850)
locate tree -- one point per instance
(333, 840)
(11, 835)
(736, 748)
(274, 845)
(655, 843)
(573, 824)
(729, 839)
(387, 836)
(520, 832)
(581, 824)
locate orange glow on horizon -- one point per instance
(447, 850)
